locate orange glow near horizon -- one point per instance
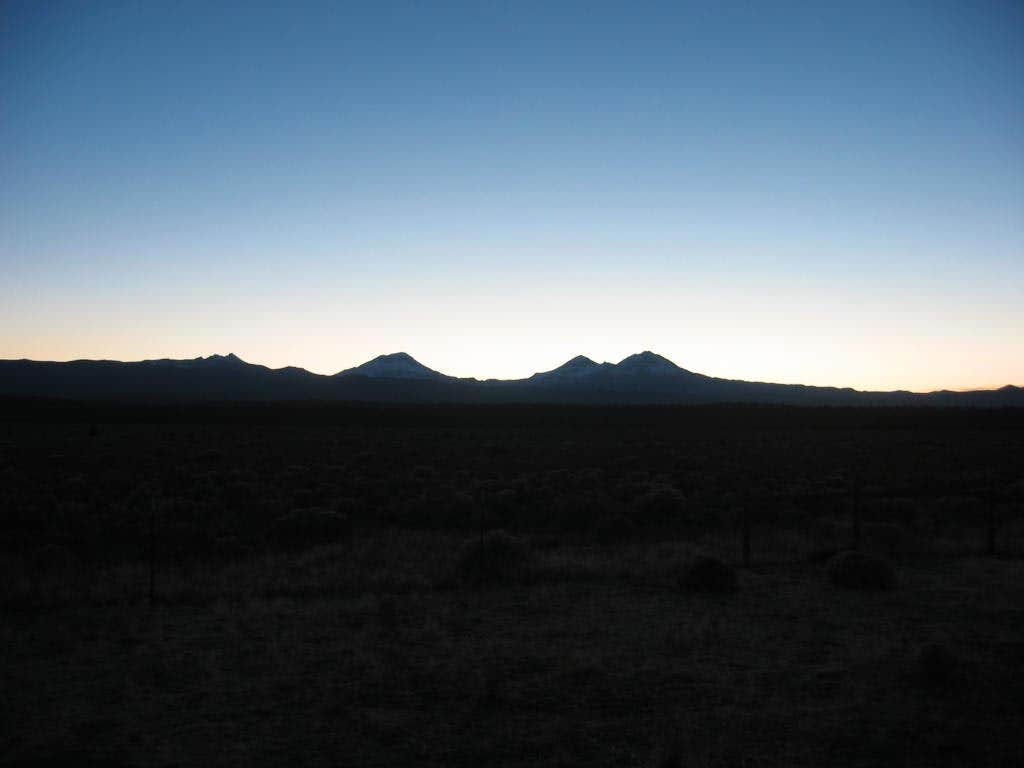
(783, 335)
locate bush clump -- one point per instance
(309, 527)
(857, 570)
(934, 666)
(614, 529)
(52, 558)
(886, 539)
(661, 505)
(494, 558)
(709, 575)
(230, 549)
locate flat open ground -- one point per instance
(376, 649)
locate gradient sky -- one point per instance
(822, 193)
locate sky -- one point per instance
(817, 193)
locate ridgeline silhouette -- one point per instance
(644, 378)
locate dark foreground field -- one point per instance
(329, 585)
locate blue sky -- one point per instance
(823, 193)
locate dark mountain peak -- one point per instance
(229, 360)
(577, 363)
(397, 365)
(644, 378)
(230, 357)
(648, 362)
(579, 366)
(647, 355)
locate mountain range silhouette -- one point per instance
(644, 378)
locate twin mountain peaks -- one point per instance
(643, 378)
(403, 365)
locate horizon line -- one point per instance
(989, 388)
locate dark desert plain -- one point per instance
(330, 584)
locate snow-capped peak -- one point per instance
(197, 362)
(576, 368)
(578, 362)
(398, 365)
(648, 362)
(230, 357)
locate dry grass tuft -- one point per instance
(709, 575)
(495, 558)
(857, 570)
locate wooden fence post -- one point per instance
(746, 534)
(856, 502)
(990, 523)
(152, 552)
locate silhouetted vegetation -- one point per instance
(857, 570)
(309, 527)
(493, 559)
(465, 586)
(709, 574)
(934, 665)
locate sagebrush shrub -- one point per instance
(935, 665)
(709, 575)
(494, 558)
(309, 527)
(52, 558)
(886, 539)
(614, 529)
(231, 549)
(660, 505)
(857, 570)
